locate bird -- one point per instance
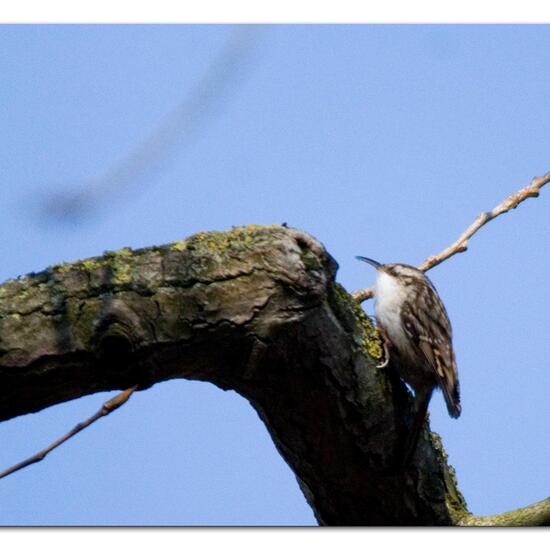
(416, 332)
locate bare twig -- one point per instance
(107, 408)
(364, 294)
(461, 244)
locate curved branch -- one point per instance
(461, 244)
(537, 514)
(256, 310)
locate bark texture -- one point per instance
(256, 310)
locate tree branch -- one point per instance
(461, 244)
(107, 408)
(256, 310)
(537, 514)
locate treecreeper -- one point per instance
(417, 336)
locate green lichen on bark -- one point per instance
(224, 243)
(355, 320)
(118, 261)
(456, 504)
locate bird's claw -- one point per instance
(386, 353)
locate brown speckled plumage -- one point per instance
(417, 330)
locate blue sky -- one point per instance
(385, 141)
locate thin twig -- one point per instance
(107, 408)
(461, 244)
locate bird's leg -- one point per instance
(422, 400)
(386, 345)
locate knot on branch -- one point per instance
(117, 335)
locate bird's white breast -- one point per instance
(389, 297)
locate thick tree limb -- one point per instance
(256, 310)
(461, 244)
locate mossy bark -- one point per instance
(257, 310)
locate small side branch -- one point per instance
(461, 244)
(107, 408)
(511, 202)
(537, 514)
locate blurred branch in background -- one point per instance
(176, 130)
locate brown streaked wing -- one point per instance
(429, 328)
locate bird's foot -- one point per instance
(386, 347)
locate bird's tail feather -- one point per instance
(451, 392)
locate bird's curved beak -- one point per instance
(374, 263)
